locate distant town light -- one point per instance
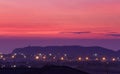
(15, 54)
(50, 54)
(96, 59)
(95, 54)
(4, 59)
(1, 56)
(13, 57)
(65, 55)
(25, 56)
(13, 66)
(37, 57)
(54, 58)
(62, 58)
(79, 58)
(44, 57)
(29, 66)
(40, 54)
(104, 59)
(87, 58)
(113, 59)
(3, 66)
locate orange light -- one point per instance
(37, 57)
(79, 58)
(103, 59)
(1, 56)
(87, 58)
(62, 58)
(13, 57)
(96, 59)
(113, 59)
(44, 57)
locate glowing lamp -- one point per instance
(87, 58)
(113, 59)
(37, 57)
(62, 58)
(79, 58)
(103, 59)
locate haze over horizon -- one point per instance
(8, 45)
(59, 22)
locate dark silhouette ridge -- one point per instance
(72, 51)
(51, 69)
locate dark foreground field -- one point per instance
(43, 70)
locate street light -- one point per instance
(62, 58)
(104, 59)
(96, 59)
(87, 58)
(113, 59)
(79, 59)
(1, 56)
(13, 57)
(44, 57)
(37, 57)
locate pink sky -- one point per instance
(60, 18)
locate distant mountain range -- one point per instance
(71, 51)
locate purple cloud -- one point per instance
(114, 34)
(76, 32)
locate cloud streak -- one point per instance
(114, 34)
(76, 32)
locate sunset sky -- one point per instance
(60, 18)
(66, 19)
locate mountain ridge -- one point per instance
(70, 50)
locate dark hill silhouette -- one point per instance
(44, 70)
(56, 70)
(72, 51)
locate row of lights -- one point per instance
(79, 58)
(41, 56)
(97, 59)
(62, 58)
(14, 66)
(14, 55)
